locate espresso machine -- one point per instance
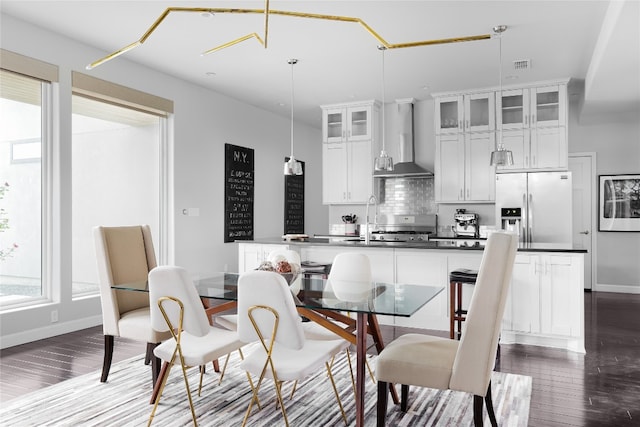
(466, 224)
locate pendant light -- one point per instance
(501, 156)
(292, 166)
(383, 162)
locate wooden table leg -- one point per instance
(361, 354)
(376, 334)
(156, 386)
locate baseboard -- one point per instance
(49, 331)
(620, 289)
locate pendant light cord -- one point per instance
(383, 49)
(292, 62)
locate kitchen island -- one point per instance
(546, 301)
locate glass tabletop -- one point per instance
(394, 299)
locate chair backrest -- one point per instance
(476, 354)
(289, 255)
(350, 277)
(269, 289)
(172, 281)
(124, 255)
(351, 266)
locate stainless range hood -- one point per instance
(406, 167)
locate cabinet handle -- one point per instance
(468, 193)
(526, 161)
(533, 119)
(526, 120)
(467, 124)
(461, 194)
(344, 196)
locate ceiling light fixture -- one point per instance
(500, 156)
(383, 162)
(292, 166)
(263, 41)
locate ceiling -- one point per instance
(588, 41)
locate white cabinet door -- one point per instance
(360, 171)
(560, 295)
(479, 112)
(524, 314)
(424, 268)
(513, 109)
(334, 173)
(449, 165)
(359, 121)
(449, 113)
(517, 141)
(334, 124)
(548, 106)
(549, 148)
(479, 174)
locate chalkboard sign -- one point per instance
(238, 193)
(294, 202)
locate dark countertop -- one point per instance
(450, 243)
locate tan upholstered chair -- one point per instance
(464, 365)
(126, 255)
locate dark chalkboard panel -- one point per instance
(238, 193)
(294, 202)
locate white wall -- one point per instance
(203, 122)
(617, 148)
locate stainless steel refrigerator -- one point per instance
(536, 204)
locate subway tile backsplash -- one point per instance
(404, 195)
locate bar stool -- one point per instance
(457, 314)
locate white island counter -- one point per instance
(546, 302)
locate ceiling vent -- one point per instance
(522, 64)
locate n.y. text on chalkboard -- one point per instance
(239, 183)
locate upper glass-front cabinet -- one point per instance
(347, 122)
(465, 113)
(532, 107)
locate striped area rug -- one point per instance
(124, 401)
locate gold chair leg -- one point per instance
(186, 384)
(353, 380)
(224, 368)
(293, 390)
(335, 391)
(201, 375)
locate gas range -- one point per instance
(400, 236)
(405, 228)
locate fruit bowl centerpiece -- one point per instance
(290, 271)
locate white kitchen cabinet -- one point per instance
(473, 112)
(533, 121)
(545, 305)
(423, 268)
(543, 148)
(349, 122)
(347, 172)
(462, 167)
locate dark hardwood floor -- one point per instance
(601, 388)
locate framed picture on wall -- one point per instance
(619, 203)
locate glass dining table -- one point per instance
(328, 303)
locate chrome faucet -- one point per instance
(367, 235)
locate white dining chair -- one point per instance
(177, 309)
(267, 314)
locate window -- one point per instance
(119, 172)
(23, 141)
(115, 178)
